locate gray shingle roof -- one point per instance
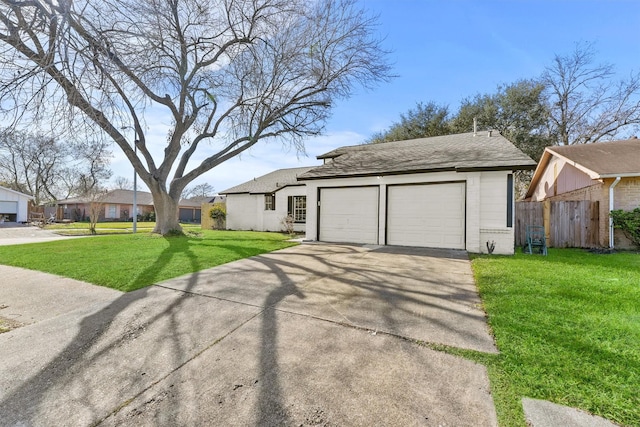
(439, 153)
(605, 158)
(270, 182)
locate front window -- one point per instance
(112, 211)
(270, 202)
(298, 208)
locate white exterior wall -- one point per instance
(242, 211)
(7, 195)
(272, 220)
(486, 204)
(246, 211)
(493, 213)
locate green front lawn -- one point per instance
(132, 261)
(82, 228)
(568, 329)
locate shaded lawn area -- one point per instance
(133, 261)
(568, 329)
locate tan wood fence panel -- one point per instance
(527, 213)
(568, 224)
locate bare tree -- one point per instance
(95, 196)
(587, 104)
(229, 73)
(122, 183)
(200, 190)
(49, 169)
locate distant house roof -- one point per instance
(206, 199)
(602, 159)
(461, 152)
(16, 192)
(598, 160)
(218, 198)
(270, 182)
(125, 197)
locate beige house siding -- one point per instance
(558, 178)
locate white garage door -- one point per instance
(426, 215)
(349, 215)
(8, 207)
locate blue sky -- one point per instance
(444, 51)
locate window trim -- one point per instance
(510, 198)
(109, 214)
(293, 209)
(270, 201)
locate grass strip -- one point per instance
(568, 329)
(133, 261)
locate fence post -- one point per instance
(546, 220)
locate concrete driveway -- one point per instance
(311, 335)
(17, 234)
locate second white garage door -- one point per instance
(430, 215)
(349, 215)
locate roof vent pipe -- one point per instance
(475, 127)
(490, 132)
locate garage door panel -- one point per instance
(8, 207)
(349, 215)
(426, 215)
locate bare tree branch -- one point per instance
(229, 73)
(586, 104)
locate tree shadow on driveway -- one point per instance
(116, 349)
(158, 355)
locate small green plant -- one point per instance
(219, 214)
(629, 223)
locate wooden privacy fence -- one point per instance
(567, 224)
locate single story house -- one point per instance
(453, 191)
(606, 172)
(14, 206)
(263, 203)
(118, 206)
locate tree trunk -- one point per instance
(166, 213)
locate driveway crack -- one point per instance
(178, 367)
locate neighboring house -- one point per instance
(191, 209)
(453, 191)
(606, 172)
(14, 206)
(263, 203)
(118, 206)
